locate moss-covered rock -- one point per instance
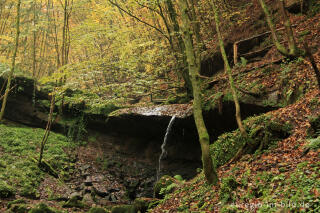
(164, 185)
(123, 209)
(143, 204)
(6, 190)
(263, 132)
(74, 202)
(178, 177)
(42, 208)
(97, 210)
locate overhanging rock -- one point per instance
(178, 110)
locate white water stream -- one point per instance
(163, 150)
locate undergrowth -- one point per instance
(19, 147)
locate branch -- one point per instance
(138, 19)
(150, 8)
(9, 91)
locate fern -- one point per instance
(314, 143)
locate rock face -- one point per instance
(135, 133)
(20, 106)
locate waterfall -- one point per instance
(163, 150)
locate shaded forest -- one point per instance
(159, 106)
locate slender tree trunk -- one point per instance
(271, 25)
(293, 50)
(228, 69)
(34, 54)
(183, 65)
(48, 128)
(4, 102)
(209, 171)
(313, 63)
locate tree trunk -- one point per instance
(209, 171)
(13, 61)
(48, 128)
(228, 69)
(293, 50)
(271, 25)
(183, 65)
(34, 53)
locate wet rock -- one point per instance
(100, 190)
(112, 198)
(104, 201)
(85, 167)
(131, 187)
(79, 187)
(87, 190)
(97, 178)
(87, 198)
(88, 181)
(113, 190)
(85, 175)
(76, 195)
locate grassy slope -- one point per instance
(19, 146)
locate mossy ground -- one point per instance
(20, 175)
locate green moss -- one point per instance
(178, 177)
(19, 146)
(19, 208)
(18, 201)
(42, 208)
(97, 210)
(153, 204)
(262, 131)
(74, 202)
(162, 186)
(6, 190)
(123, 209)
(141, 204)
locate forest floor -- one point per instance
(281, 178)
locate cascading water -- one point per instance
(163, 150)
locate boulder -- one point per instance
(165, 185)
(42, 208)
(97, 210)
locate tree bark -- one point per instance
(293, 50)
(5, 97)
(209, 171)
(271, 25)
(228, 69)
(183, 65)
(48, 128)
